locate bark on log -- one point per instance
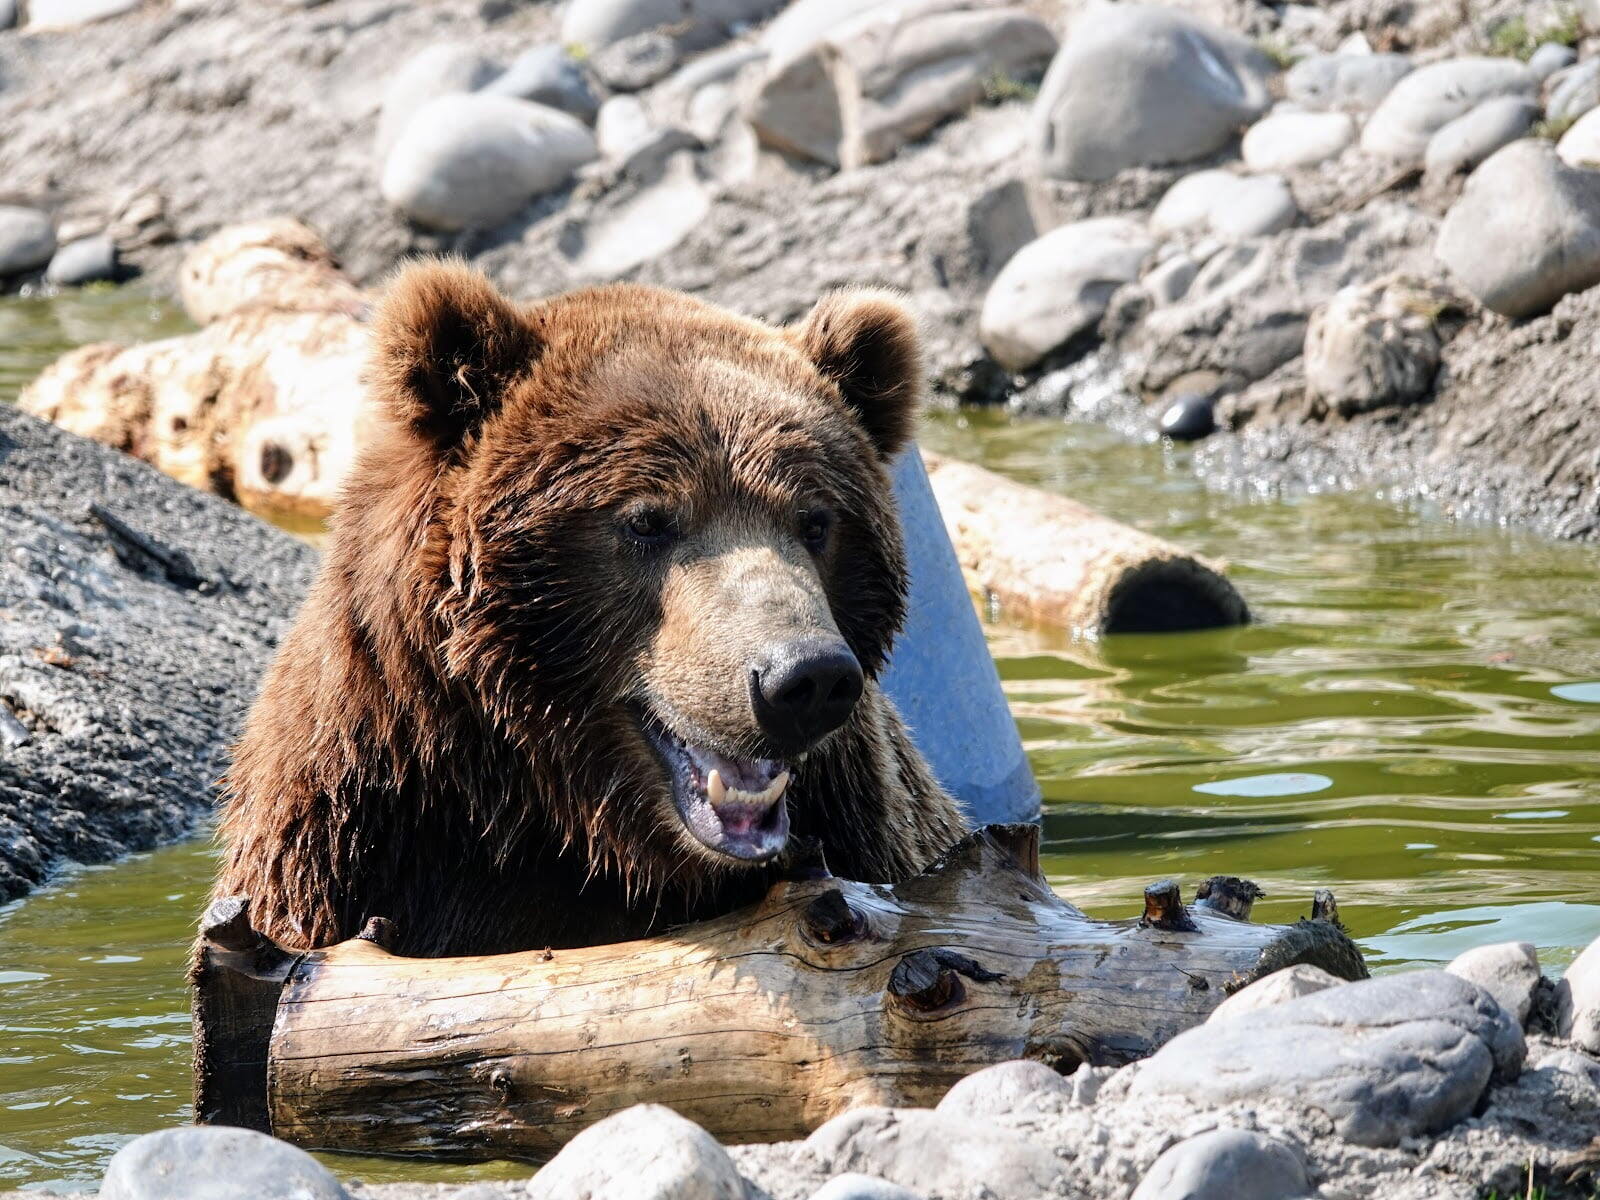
(1048, 560)
(759, 1026)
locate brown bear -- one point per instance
(597, 630)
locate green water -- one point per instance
(1421, 685)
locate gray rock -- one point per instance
(647, 1152)
(550, 76)
(8, 13)
(83, 261)
(26, 239)
(1225, 204)
(446, 69)
(1058, 286)
(1508, 971)
(596, 24)
(68, 14)
(1550, 58)
(177, 664)
(634, 63)
(1226, 1164)
(855, 1186)
(1349, 83)
(1167, 282)
(1385, 1059)
(1430, 97)
(1283, 140)
(1578, 1000)
(1189, 418)
(1580, 145)
(1372, 346)
(935, 1153)
(1137, 85)
(1525, 231)
(1574, 91)
(864, 87)
(1465, 142)
(470, 162)
(622, 124)
(1002, 1088)
(1288, 984)
(1569, 1062)
(213, 1162)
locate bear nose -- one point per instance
(803, 690)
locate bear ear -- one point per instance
(866, 343)
(447, 346)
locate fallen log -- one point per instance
(1042, 558)
(264, 405)
(760, 1026)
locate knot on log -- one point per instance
(1163, 909)
(1020, 842)
(930, 979)
(381, 932)
(1325, 908)
(1229, 895)
(829, 919)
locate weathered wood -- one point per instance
(760, 1026)
(1048, 560)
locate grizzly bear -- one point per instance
(598, 628)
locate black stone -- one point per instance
(1189, 418)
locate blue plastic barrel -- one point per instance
(941, 676)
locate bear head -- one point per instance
(650, 543)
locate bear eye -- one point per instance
(815, 524)
(650, 526)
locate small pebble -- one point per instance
(1189, 418)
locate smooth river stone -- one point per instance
(1386, 1059)
(1285, 139)
(1430, 97)
(1525, 230)
(646, 1152)
(214, 1162)
(1228, 205)
(1226, 1163)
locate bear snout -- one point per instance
(803, 690)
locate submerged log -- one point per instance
(760, 1026)
(1045, 559)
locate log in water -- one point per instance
(759, 1026)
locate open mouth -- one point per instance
(734, 806)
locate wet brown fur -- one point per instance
(445, 737)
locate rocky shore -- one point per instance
(1481, 1079)
(1359, 238)
(136, 616)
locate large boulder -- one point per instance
(1508, 971)
(1057, 287)
(857, 90)
(647, 1152)
(1385, 1059)
(214, 1162)
(1348, 83)
(1525, 231)
(1136, 85)
(445, 69)
(27, 239)
(595, 24)
(1429, 98)
(1003, 1088)
(470, 162)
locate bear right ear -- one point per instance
(447, 346)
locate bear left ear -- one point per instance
(866, 343)
(447, 346)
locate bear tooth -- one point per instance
(765, 798)
(716, 790)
